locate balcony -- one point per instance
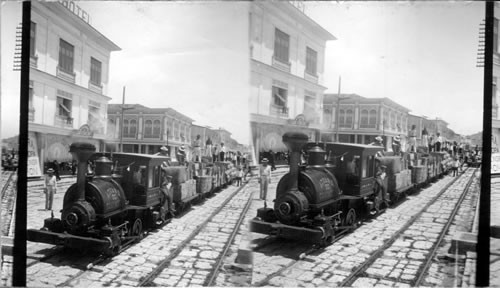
(281, 65)
(31, 114)
(95, 87)
(279, 111)
(63, 122)
(311, 77)
(152, 136)
(66, 76)
(33, 61)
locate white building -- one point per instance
(495, 123)
(68, 81)
(287, 50)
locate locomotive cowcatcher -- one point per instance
(110, 206)
(317, 200)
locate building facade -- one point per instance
(495, 123)
(287, 52)
(357, 119)
(146, 130)
(69, 77)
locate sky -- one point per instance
(193, 57)
(421, 55)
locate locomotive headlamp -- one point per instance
(285, 208)
(72, 219)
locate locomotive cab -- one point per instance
(354, 166)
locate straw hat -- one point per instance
(163, 148)
(50, 170)
(181, 148)
(379, 139)
(265, 160)
(397, 139)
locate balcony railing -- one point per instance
(63, 121)
(67, 76)
(345, 125)
(280, 111)
(31, 114)
(281, 65)
(33, 61)
(95, 87)
(310, 77)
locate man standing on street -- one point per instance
(50, 188)
(264, 180)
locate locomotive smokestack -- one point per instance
(81, 153)
(294, 141)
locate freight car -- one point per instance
(341, 184)
(118, 196)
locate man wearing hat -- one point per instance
(181, 154)
(264, 179)
(379, 142)
(379, 178)
(50, 188)
(413, 138)
(396, 145)
(197, 149)
(164, 152)
(167, 199)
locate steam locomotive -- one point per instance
(339, 186)
(113, 204)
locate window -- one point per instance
(494, 100)
(393, 120)
(279, 96)
(31, 93)
(64, 107)
(311, 60)
(373, 118)
(125, 127)
(156, 128)
(133, 128)
(66, 55)
(364, 118)
(32, 39)
(148, 128)
(349, 117)
(495, 35)
(95, 71)
(281, 46)
(341, 117)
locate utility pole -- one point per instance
(337, 112)
(121, 126)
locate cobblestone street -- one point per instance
(182, 253)
(397, 266)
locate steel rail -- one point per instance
(213, 274)
(430, 257)
(349, 280)
(147, 280)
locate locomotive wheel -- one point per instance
(351, 219)
(137, 229)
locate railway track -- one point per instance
(362, 270)
(164, 248)
(202, 232)
(350, 256)
(8, 198)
